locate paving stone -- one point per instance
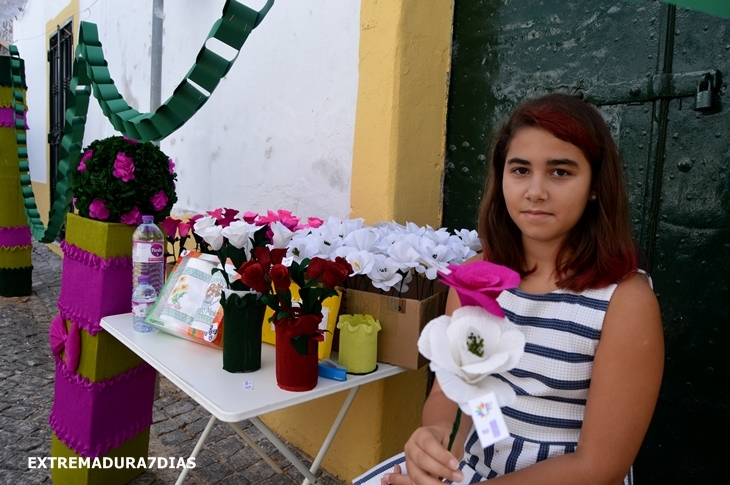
(163, 427)
(213, 473)
(189, 417)
(228, 446)
(196, 428)
(205, 458)
(179, 407)
(174, 438)
(18, 412)
(237, 479)
(258, 472)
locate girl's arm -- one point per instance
(627, 373)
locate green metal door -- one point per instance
(642, 64)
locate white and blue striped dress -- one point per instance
(562, 330)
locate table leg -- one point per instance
(256, 447)
(333, 431)
(197, 448)
(284, 449)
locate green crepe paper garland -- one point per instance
(90, 71)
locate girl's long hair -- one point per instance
(600, 249)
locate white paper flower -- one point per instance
(435, 258)
(282, 234)
(361, 239)
(213, 235)
(239, 234)
(467, 348)
(203, 222)
(384, 273)
(362, 262)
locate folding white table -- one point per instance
(198, 371)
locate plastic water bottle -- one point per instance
(143, 298)
(148, 254)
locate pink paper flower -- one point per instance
(480, 283)
(312, 223)
(170, 226)
(132, 218)
(283, 216)
(98, 210)
(130, 140)
(250, 217)
(82, 164)
(184, 228)
(123, 167)
(170, 165)
(159, 200)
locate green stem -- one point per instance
(455, 429)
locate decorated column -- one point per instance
(104, 392)
(15, 241)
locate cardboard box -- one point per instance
(401, 318)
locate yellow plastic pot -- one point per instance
(358, 343)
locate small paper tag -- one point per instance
(488, 420)
(287, 261)
(248, 385)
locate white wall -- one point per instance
(277, 132)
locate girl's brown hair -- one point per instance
(600, 249)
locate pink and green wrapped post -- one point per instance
(15, 241)
(103, 392)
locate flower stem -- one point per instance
(455, 429)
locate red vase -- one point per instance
(294, 371)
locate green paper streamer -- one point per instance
(6, 77)
(243, 317)
(90, 73)
(18, 282)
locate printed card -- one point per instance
(488, 420)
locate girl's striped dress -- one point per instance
(562, 330)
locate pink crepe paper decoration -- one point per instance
(15, 236)
(68, 341)
(123, 167)
(98, 210)
(159, 200)
(92, 418)
(106, 283)
(480, 283)
(132, 218)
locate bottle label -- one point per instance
(140, 309)
(148, 252)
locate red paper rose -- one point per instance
(253, 276)
(315, 268)
(279, 275)
(334, 274)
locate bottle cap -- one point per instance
(148, 218)
(144, 278)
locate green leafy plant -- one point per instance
(118, 179)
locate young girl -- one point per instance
(555, 210)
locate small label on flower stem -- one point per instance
(287, 261)
(488, 420)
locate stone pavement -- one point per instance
(26, 395)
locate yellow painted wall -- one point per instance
(398, 158)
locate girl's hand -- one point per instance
(395, 478)
(427, 459)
